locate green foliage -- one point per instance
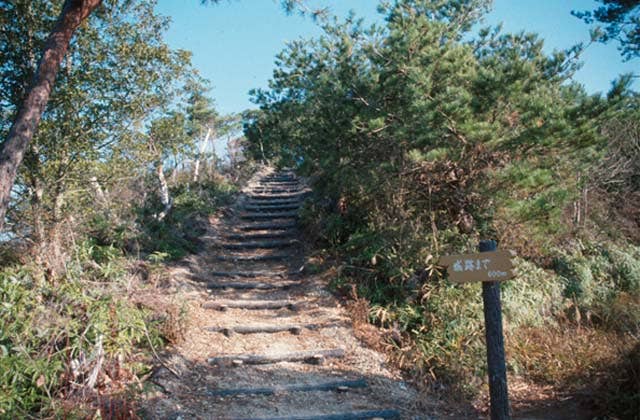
(446, 326)
(203, 198)
(88, 162)
(105, 231)
(407, 121)
(177, 235)
(51, 334)
(449, 337)
(422, 137)
(626, 269)
(528, 177)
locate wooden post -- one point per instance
(495, 344)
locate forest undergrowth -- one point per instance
(81, 343)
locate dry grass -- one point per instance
(551, 354)
(168, 314)
(599, 368)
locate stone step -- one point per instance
(341, 386)
(275, 190)
(275, 181)
(271, 186)
(274, 202)
(260, 244)
(272, 182)
(251, 285)
(350, 415)
(267, 329)
(257, 329)
(253, 236)
(275, 186)
(294, 187)
(314, 357)
(261, 216)
(249, 274)
(271, 207)
(268, 257)
(269, 226)
(281, 174)
(223, 305)
(262, 196)
(278, 178)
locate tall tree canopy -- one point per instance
(117, 75)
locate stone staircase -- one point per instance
(274, 343)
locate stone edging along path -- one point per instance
(265, 340)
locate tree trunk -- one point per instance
(203, 148)
(264, 157)
(101, 198)
(165, 199)
(73, 13)
(174, 171)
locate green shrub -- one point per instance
(626, 268)
(50, 332)
(97, 262)
(533, 298)
(177, 235)
(106, 229)
(438, 153)
(604, 283)
(579, 282)
(526, 176)
(200, 199)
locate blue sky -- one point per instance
(234, 43)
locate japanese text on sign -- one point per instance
(471, 265)
(487, 266)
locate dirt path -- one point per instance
(265, 340)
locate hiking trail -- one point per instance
(265, 339)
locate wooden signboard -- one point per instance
(486, 266)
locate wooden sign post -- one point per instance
(490, 267)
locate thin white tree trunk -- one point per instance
(203, 147)
(165, 199)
